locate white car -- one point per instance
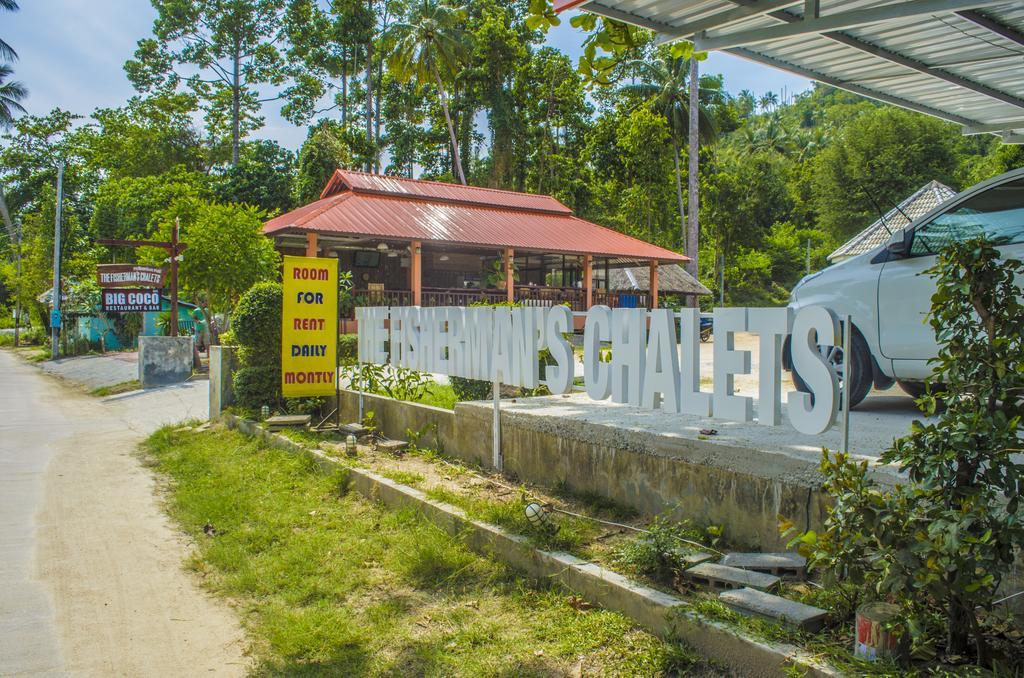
(888, 297)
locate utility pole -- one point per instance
(17, 292)
(55, 321)
(174, 277)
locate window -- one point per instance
(997, 214)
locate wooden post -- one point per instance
(654, 284)
(174, 277)
(416, 272)
(312, 249)
(510, 283)
(588, 279)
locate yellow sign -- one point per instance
(309, 327)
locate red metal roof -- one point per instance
(356, 203)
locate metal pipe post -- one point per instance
(55, 316)
(496, 427)
(847, 338)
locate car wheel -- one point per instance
(914, 389)
(860, 369)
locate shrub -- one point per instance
(258, 386)
(256, 322)
(348, 349)
(470, 389)
(942, 543)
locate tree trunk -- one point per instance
(344, 88)
(693, 230)
(679, 195)
(369, 95)
(451, 127)
(236, 103)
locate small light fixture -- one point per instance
(383, 247)
(265, 412)
(350, 445)
(392, 254)
(444, 257)
(539, 516)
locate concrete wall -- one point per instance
(708, 483)
(164, 360)
(223, 363)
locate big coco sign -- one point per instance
(655, 355)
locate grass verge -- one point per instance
(123, 387)
(329, 584)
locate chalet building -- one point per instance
(427, 243)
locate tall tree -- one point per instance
(665, 85)
(429, 45)
(11, 93)
(224, 50)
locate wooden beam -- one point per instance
(416, 272)
(510, 282)
(312, 249)
(654, 283)
(588, 279)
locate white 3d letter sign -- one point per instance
(654, 361)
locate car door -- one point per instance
(905, 290)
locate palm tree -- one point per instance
(429, 46)
(769, 101)
(7, 52)
(665, 86)
(10, 94)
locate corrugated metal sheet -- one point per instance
(438, 191)
(396, 215)
(919, 203)
(942, 63)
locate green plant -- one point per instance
(256, 322)
(348, 349)
(942, 543)
(470, 389)
(656, 554)
(258, 386)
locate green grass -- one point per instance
(123, 387)
(329, 584)
(439, 395)
(6, 340)
(403, 477)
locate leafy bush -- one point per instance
(470, 389)
(348, 349)
(942, 543)
(256, 322)
(256, 386)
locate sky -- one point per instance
(72, 53)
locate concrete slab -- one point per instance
(722, 576)
(757, 603)
(95, 371)
(779, 564)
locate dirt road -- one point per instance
(91, 574)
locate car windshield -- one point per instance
(996, 214)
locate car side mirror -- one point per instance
(899, 245)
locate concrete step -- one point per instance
(779, 564)
(717, 576)
(689, 558)
(288, 421)
(759, 604)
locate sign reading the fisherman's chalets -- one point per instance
(130, 275)
(129, 301)
(309, 329)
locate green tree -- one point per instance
(664, 85)
(130, 207)
(429, 45)
(879, 159)
(325, 150)
(263, 177)
(941, 543)
(222, 50)
(227, 252)
(11, 94)
(147, 136)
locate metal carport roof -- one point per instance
(959, 60)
